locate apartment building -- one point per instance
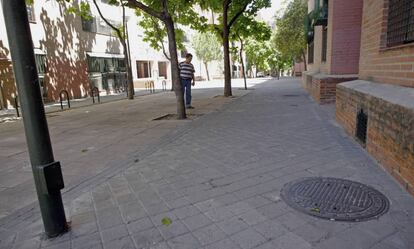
(378, 109)
(334, 37)
(77, 55)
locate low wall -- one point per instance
(390, 124)
(322, 87)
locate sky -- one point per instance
(269, 13)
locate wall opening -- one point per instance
(361, 126)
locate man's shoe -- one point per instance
(190, 107)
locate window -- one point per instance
(103, 28)
(41, 70)
(98, 25)
(143, 69)
(89, 24)
(105, 65)
(310, 52)
(40, 63)
(400, 27)
(162, 69)
(324, 43)
(30, 13)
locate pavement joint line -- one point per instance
(315, 147)
(108, 172)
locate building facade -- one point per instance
(378, 109)
(77, 55)
(334, 36)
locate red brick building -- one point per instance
(378, 109)
(334, 38)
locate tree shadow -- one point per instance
(7, 85)
(113, 46)
(65, 44)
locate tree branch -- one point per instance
(117, 30)
(136, 4)
(154, 22)
(237, 15)
(217, 29)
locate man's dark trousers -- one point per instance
(186, 84)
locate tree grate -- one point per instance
(335, 199)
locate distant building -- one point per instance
(334, 40)
(76, 55)
(298, 68)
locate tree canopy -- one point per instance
(207, 48)
(229, 12)
(289, 37)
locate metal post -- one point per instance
(16, 106)
(47, 173)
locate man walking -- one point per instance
(187, 78)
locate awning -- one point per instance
(104, 55)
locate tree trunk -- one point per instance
(226, 48)
(130, 82)
(304, 60)
(122, 37)
(175, 74)
(208, 75)
(242, 64)
(129, 68)
(2, 105)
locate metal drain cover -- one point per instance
(335, 199)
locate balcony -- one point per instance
(321, 16)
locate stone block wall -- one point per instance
(390, 128)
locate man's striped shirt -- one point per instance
(186, 70)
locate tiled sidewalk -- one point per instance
(219, 183)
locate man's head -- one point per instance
(188, 57)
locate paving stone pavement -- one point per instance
(219, 183)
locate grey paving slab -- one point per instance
(232, 225)
(270, 229)
(292, 241)
(147, 238)
(226, 243)
(176, 228)
(209, 234)
(217, 178)
(186, 241)
(140, 225)
(248, 238)
(197, 221)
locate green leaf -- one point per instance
(316, 210)
(166, 221)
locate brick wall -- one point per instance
(66, 74)
(344, 49)
(390, 132)
(323, 87)
(377, 62)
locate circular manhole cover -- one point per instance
(335, 199)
